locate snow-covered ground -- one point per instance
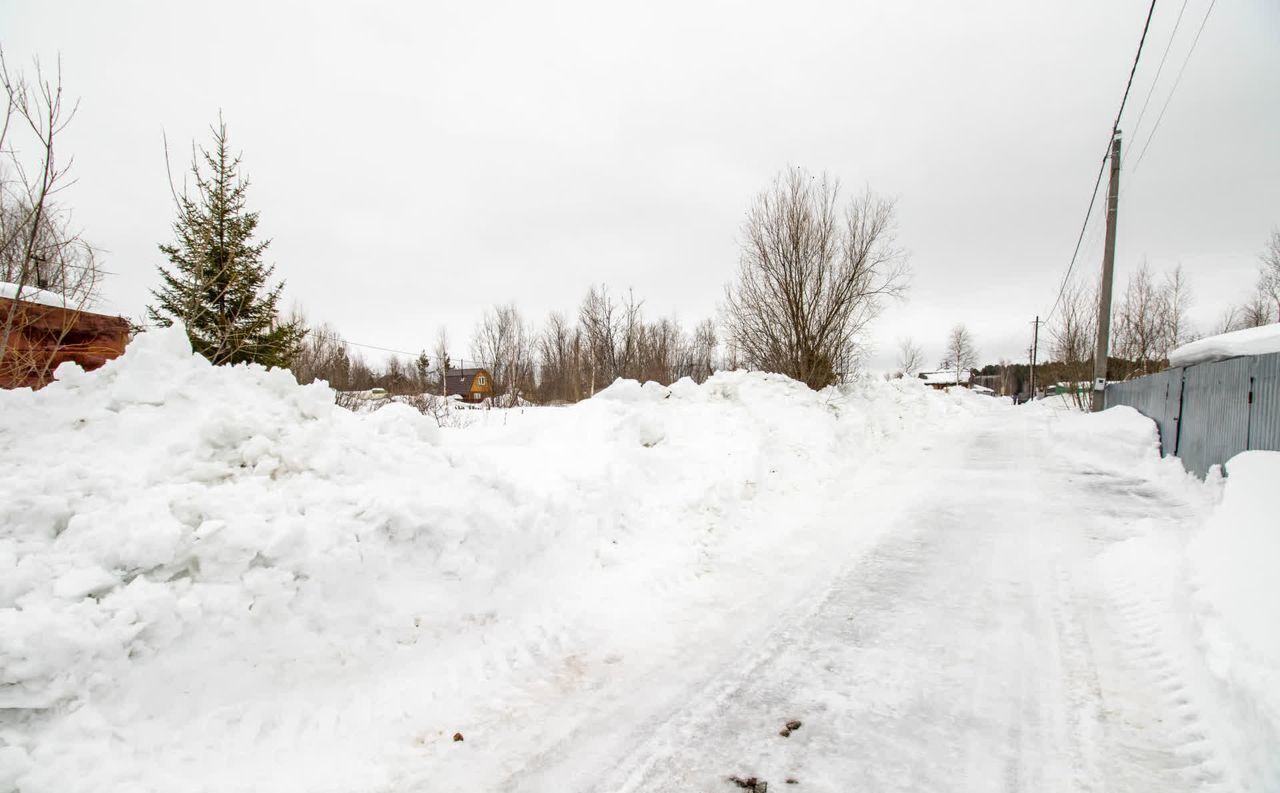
(212, 579)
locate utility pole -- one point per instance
(1108, 267)
(1035, 351)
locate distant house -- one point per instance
(945, 379)
(473, 385)
(44, 333)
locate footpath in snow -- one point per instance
(212, 579)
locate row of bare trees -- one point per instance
(814, 272)
(566, 360)
(1149, 321)
(1262, 306)
(570, 358)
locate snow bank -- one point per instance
(212, 578)
(1237, 595)
(1250, 341)
(127, 487)
(1116, 440)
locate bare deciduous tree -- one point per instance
(1177, 304)
(502, 344)
(1141, 323)
(322, 355)
(1271, 271)
(1228, 320)
(38, 249)
(960, 355)
(1151, 320)
(702, 351)
(1074, 332)
(560, 355)
(811, 277)
(600, 326)
(910, 357)
(443, 363)
(1257, 311)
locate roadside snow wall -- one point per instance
(1236, 595)
(212, 578)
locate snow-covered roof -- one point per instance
(1250, 341)
(947, 377)
(981, 389)
(32, 295)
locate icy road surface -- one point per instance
(978, 645)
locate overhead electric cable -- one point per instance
(1115, 128)
(1159, 69)
(1176, 80)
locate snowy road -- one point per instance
(975, 647)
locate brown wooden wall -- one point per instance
(485, 390)
(42, 337)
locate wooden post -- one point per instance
(1108, 269)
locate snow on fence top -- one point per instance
(1250, 341)
(32, 295)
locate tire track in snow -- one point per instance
(895, 611)
(963, 652)
(1163, 725)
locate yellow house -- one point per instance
(473, 385)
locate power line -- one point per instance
(1066, 279)
(1176, 80)
(1115, 129)
(1156, 80)
(342, 340)
(1133, 70)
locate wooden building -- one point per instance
(473, 385)
(43, 335)
(946, 378)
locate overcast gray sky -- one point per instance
(415, 163)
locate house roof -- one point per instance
(947, 377)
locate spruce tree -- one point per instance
(216, 284)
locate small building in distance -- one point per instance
(473, 385)
(945, 378)
(45, 332)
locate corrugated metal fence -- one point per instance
(1209, 412)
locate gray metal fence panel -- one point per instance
(1209, 412)
(1264, 412)
(1215, 413)
(1158, 397)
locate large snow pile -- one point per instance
(214, 579)
(1237, 594)
(1250, 341)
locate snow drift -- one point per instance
(213, 578)
(1237, 597)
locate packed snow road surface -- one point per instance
(214, 580)
(963, 652)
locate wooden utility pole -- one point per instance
(1108, 267)
(1035, 351)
